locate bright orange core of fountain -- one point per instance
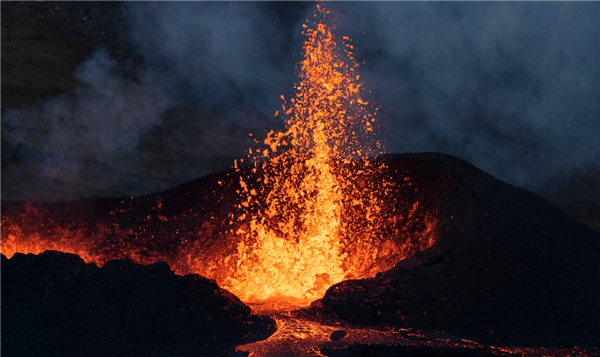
(292, 236)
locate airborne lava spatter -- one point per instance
(292, 237)
(314, 209)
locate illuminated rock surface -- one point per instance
(189, 226)
(54, 304)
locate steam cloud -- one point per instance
(513, 88)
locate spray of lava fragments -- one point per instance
(312, 208)
(292, 244)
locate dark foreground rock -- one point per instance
(508, 268)
(381, 350)
(53, 304)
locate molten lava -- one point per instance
(314, 207)
(291, 243)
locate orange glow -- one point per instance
(313, 208)
(292, 235)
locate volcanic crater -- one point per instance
(320, 244)
(476, 257)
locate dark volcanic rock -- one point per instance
(508, 268)
(338, 335)
(379, 350)
(54, 304)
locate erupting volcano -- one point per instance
(293, 236)
(316, 214)
(308, 213)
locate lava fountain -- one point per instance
(291, 242)
(312, 206)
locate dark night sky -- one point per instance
(512, 87)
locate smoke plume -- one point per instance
(513, 88)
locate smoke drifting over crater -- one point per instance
(512, 87)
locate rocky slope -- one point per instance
(508, 268)
(53, 304)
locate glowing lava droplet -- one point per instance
(291, 231)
